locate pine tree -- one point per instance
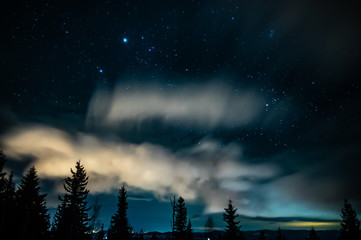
(180, 225)
(33, 222)
(232, 228)
(7, 201)
(209, 225)
(280, 236)
(9, 211)
(172, 203)
(2, 184)
(141, 235)
(262, 236)
(95, 222)
(2, 193)
(119, 226)
(9, 190)
(189, 231)
(71, 219)
(154, 236)
(313, 235)
(2, 173)
(350, 225)
(101, 233)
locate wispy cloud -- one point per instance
(208, 172)
(291, 219)
(206, 106)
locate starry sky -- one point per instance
(254, 101)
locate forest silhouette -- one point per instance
(24, 215)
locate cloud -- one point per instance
(208, 172)
(290, 222)
(319, 177)
(207, 106)
(139, 198)
(290, 219)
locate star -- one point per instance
(271, 33)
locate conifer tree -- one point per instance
(172, 203)
(119, 226)
(209, 225)
(141, 235)
(9, 190)
(33, 220)
(350, 225)
(7, 201)
(154, 236)
(8, 209)
(280, 236)
(189, 231)
(313, 235)
(101, 233)
(2, 173)
(2, 193)
(232, 227)
(2, 183)
(71, 219)
(95, 222)
(180, 225)
(262, 236)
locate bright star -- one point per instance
(125, 40)
(271, 33)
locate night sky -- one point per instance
(254, 101)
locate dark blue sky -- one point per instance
(211, 100)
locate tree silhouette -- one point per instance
(3, 205)
(95, 222)
(180, 225)
(312, 235)
(350, 225)
(141, 234)
(172, 203)
(119, 227)
(8, 213)
(7, 201)
(232, 228)
(279, 235)
(71, 219)
(9, 190)
(209, 225)
(33, 220)
(101, 233)
(3, 183)
(189, 231)
(2, 173)
(154, 236)
(262, 236)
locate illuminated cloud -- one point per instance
(205, 106)
(303, 225)
(207, 172)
